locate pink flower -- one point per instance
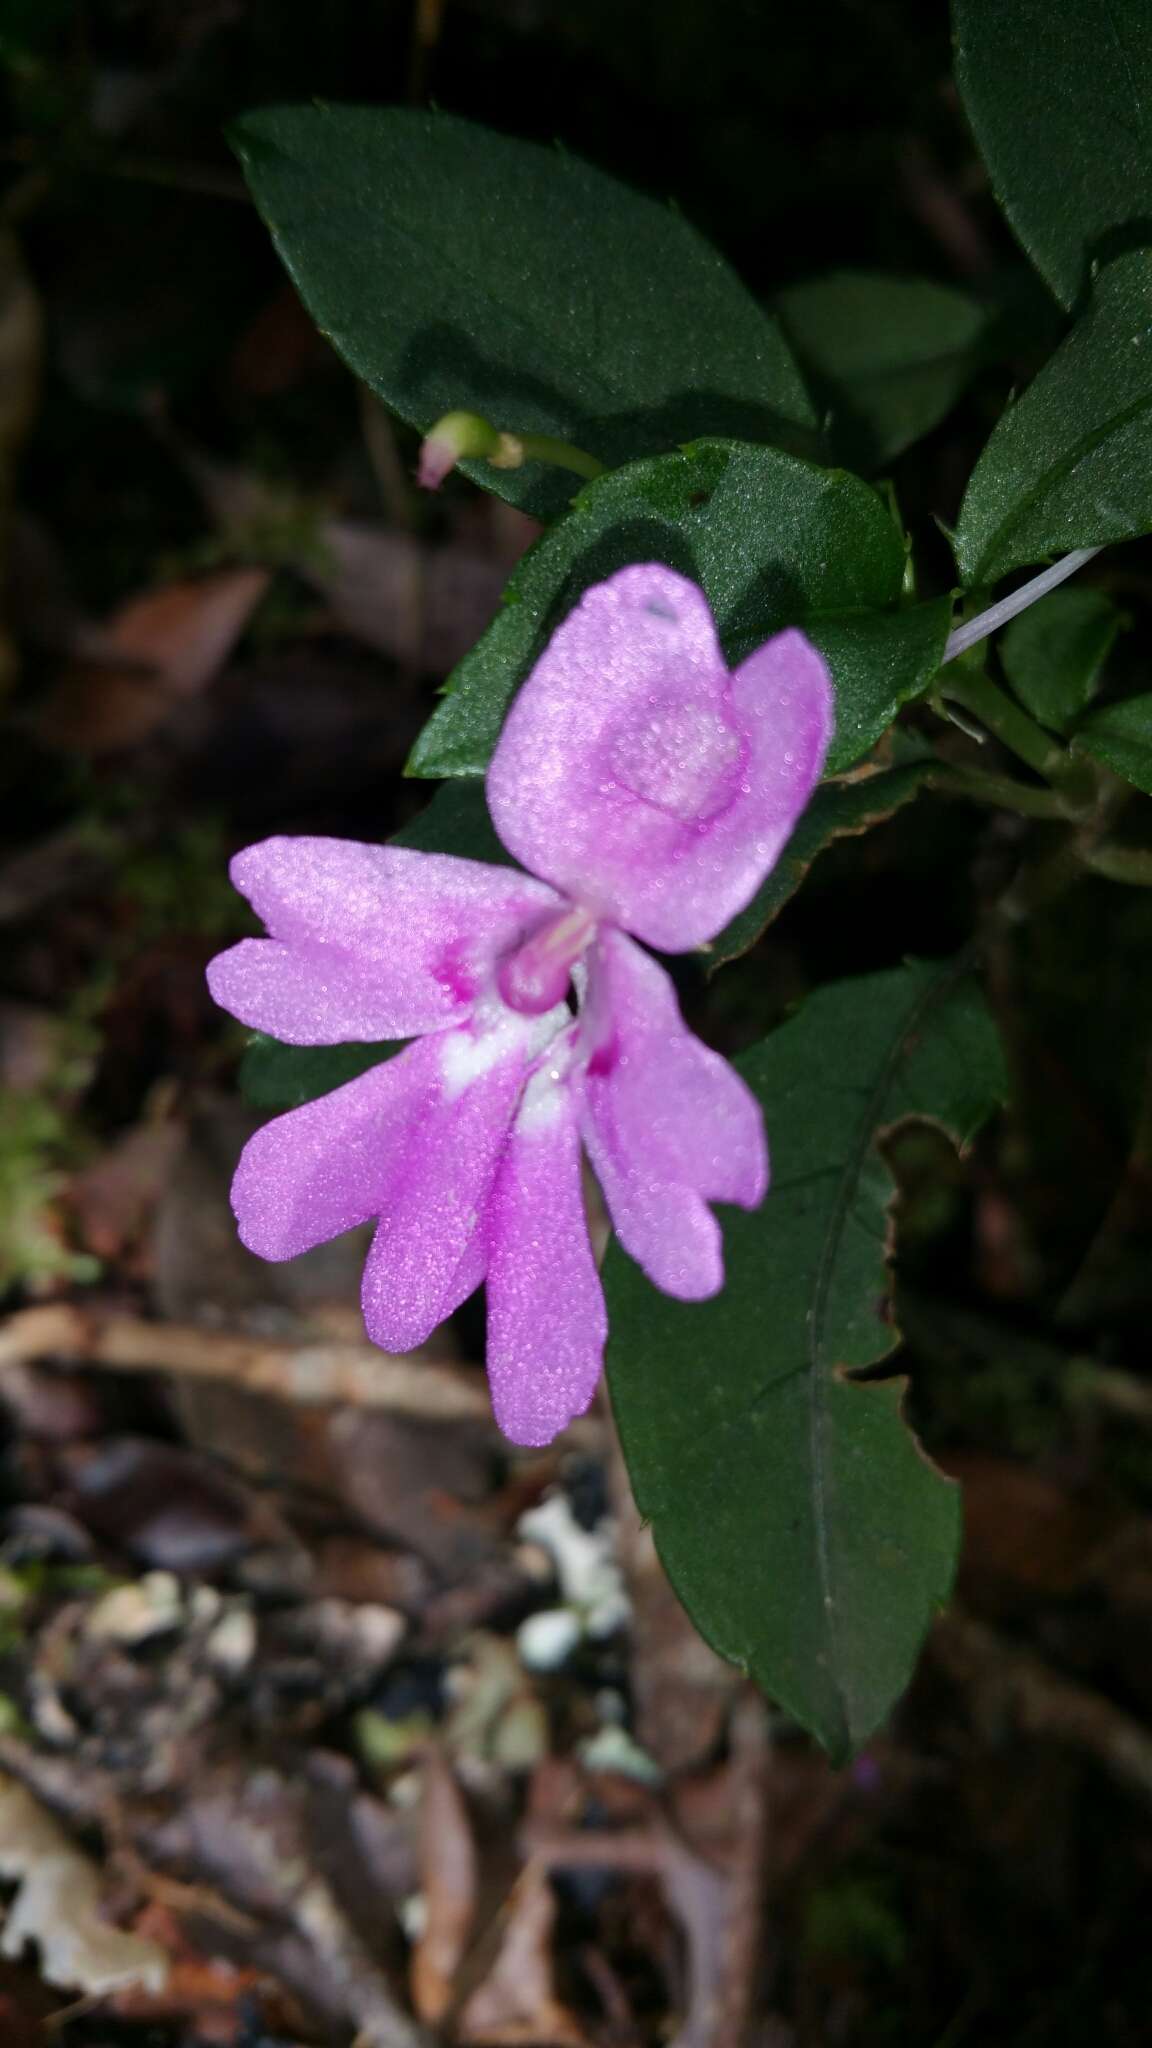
(648, 792)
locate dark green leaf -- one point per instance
(1070, 464)
(1120, 735)
(888, 355)
(1060, 98)
(276, 1076)
(773, 540)
(456, 268)
(807, 1536)
(879, 661)
(838, 810)
(456, 821)
(1054, 652)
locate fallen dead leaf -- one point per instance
(682, 1690)
(448, 1882)
(422, 606)
(114, 1198)
(58, 1906)
(159, 648)
(517, 2003)
(247, 1835)
(206, 1990)
(162, 1505)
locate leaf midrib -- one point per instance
(1058, 473)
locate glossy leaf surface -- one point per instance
(773, 540)
(1070, 464)
(806, 1534)
(1120, 735)
(838, 810)
(1060, 98)
(455, 268)
(888, 356)
(1054, 652)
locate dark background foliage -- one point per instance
(981, 1873)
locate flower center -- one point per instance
(535, 977)
(679, 758)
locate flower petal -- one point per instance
(663, 1095)
(784, 701)
(666, 1227)
(415, 1142)
(368, 942)
(546, 1319)
(669, 1125)
(431, 1248)
(640, 778)
(318, 1171)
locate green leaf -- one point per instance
(1070, 464)
(1060, 99)
(879, 661)
(773, 540)
(809, 1539)
(276, 1076)
(1120, 735)
(837, 811)
(888, 355)
(455, 268)
(1054, 652)
(456, 821)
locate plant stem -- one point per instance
(519, 448)
(997, 711)
(1041, 880)
(966, 636)
(1122, 864)
(1002, 791)
(1010, 724)
(468, 436)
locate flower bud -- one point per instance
(453, 439)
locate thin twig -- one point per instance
(743, 1957)
(313, 1374)
(325, 1373)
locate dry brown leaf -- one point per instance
(247, 1834)
(423, 607)
(58, 1906)
(114, 1198)
(682, 1690)
(159, 648)
(448, 1881)
(204, 1988)
(517, 2002)
(163, 1505)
